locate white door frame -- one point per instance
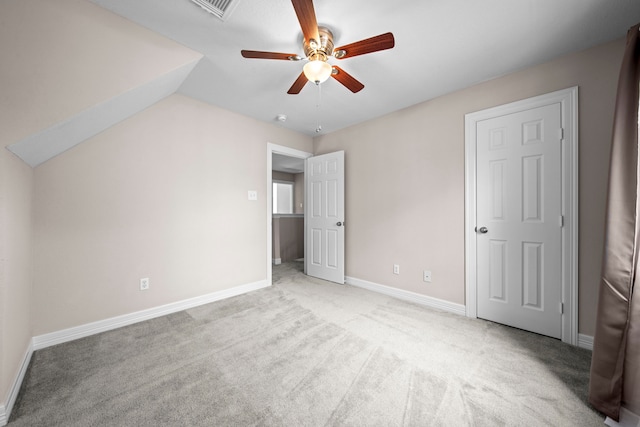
(286, 151)
(568, 99)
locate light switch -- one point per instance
(253, 195)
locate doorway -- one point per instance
(287, 200)
(512, 279)
(287, 163)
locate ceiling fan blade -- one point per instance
(269, 55)
(347, 80)
(373, 44)
(298, 85)
(307, 17)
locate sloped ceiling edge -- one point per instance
(40, 147)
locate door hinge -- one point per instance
(561, 134)
(561, 308)
(561, 220)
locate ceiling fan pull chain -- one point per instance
(319, 128)
(319, 97)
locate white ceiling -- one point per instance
(282, 163)
(441, 46)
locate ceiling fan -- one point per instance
(318, 47)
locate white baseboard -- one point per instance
(408, 296)
(627, 419)
(7, 407)
(277, 261)
(70, 334)
(585, 341)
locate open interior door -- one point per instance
(324, 216)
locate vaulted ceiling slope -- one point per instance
(71, 69)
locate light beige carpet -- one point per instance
(308, 353)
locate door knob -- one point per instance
(339, 224)
(482, 230)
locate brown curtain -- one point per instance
(615, 363)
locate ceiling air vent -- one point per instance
(220, 8)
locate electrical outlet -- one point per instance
(396, 269)
(426, 276)
(144, 284)
(252, 195)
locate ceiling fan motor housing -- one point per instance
(321, 49)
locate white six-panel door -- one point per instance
(519, 222)
(324, 216)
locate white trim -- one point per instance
(585, 341)
(291, 152)
(407, 296)
(568, 99)
(627, 419)
(277, 261)
(7, 407)
(70, 334)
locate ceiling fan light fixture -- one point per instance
(317, 71)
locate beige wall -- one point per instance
(288, 238)
(16, 190)
(405, 178)
(161, 195)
